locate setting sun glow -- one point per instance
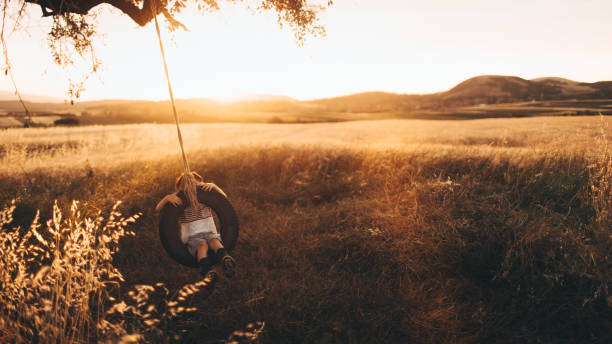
(394, 46)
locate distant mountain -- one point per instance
(489, 89)
(485, 89)
(374, 102)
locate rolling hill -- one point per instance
(483, 91)
(489, 89)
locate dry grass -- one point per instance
(81, 147)
(58, 281)
(393, 231)
(54, 277)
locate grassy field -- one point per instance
(360, 107)
(399, 231)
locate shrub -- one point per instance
(66, 121)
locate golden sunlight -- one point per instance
(370, 46)
(428, 172)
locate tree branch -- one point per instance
(53, 7)
(140, 15)
(150, 9)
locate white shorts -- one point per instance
(190, 229)
(195, 240)
(192, 233)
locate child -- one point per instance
(198, 230)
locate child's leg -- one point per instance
(215, 244)
(222, 256)
(217, 247)
(202, 250)
(202, 255)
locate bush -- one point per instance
(66, 121)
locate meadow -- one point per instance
(390, 231)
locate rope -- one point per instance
(189, 184)
(176, 118)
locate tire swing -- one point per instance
(213, 197)
(169, 229)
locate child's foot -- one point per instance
(211, 278)
(228, 264)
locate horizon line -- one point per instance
(259, 96)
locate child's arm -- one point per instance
(172, 198)
(206, 186)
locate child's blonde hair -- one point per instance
(179, 180)
(188, 186)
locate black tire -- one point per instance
(169, 230)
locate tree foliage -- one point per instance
(74, 22)
(299, 14)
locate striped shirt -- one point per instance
(200, 212)
(195, 221)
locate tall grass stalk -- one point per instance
(55, 277)
(600, 245)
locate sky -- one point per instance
(371, 45)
